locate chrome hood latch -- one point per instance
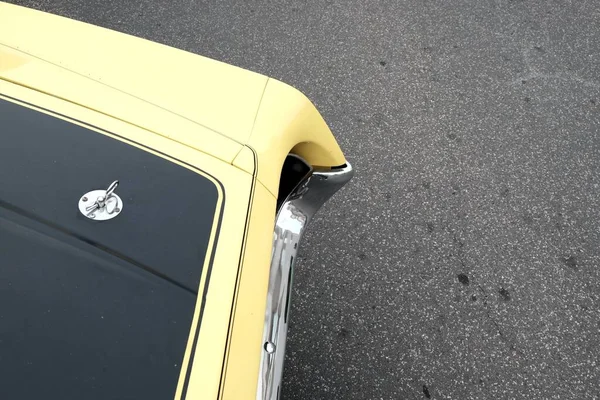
(101, 205)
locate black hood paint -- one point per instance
(88, 309)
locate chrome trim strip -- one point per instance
(293, 216)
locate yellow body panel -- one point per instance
(45, 77)
(245, 342)
(214, 94)
(164, 90)
(236, 124)
(288, 122)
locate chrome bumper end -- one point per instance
(293, 216)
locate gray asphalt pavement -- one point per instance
(462, 262)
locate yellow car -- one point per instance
(151, 206)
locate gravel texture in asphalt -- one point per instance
(462, 262)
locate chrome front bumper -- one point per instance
(293, 216)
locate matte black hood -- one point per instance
(94, 309)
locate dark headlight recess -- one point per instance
(294, 170)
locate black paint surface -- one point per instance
(94, 310)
